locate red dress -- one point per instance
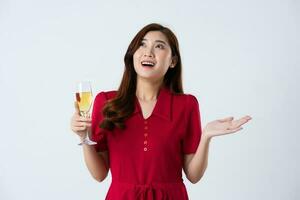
(146, 158)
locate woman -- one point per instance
(149, 130)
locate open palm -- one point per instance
(225, 126)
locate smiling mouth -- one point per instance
(147, 64)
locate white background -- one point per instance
(239, 58)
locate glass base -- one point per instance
(88, 142)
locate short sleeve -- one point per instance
(98, 134)
(193, 133)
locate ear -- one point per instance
(174, 61)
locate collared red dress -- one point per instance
(146, 158)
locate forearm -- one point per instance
(95, 163)
(198, 164)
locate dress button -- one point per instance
(145, 149)
(146, 134)
(145, 142)
(145, 122)
(146, 127)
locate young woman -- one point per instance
(148, 130)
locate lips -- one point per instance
(148, 63)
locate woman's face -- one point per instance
(153, 57)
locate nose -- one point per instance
(148, 52)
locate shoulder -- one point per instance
(186, 99)
(103, 96)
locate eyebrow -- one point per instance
(160, 41)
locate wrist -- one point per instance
(206, 135)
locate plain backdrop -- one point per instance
(239, 58)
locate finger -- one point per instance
(87, 125)
(226, 119)
(237, 129)
(248, 117)
(77, 129)
(81, 124)
(76, 107)
(233, 130)
(82, 119)
(241, 121)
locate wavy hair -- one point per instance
(117, 109)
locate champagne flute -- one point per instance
(84, 99)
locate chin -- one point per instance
(149, 77)
(146, 76)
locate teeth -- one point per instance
(147, 63)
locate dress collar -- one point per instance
(162, 106)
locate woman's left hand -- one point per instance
(224, 126)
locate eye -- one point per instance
(160, 46)
(142, 44)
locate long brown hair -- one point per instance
(116, 110)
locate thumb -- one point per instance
(226, 119)
(76, 107)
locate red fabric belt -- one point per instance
(149, 191)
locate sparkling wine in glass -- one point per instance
(84, 99)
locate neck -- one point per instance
(146, 90)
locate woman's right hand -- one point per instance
(80, 125)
